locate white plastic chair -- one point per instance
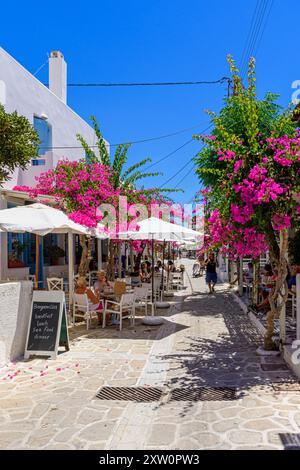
(82, 308)
(55, 283)
(176, 281)
(141, 299)
(125, 306)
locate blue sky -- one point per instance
(157, 40)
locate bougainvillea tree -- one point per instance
(85, 192)
(251, 166)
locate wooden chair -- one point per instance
(82, 308)
(55, 283)
(123, 309)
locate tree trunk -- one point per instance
(278, 296)
(86, 245)
(111, 261)
(138, 258)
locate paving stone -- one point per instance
(216, 348)
(188, 429)
(89, 416)
(207, 439)
(226, 425)
(97, 431)
(257, 413)
(162, 434)
(259, 424)
(245, 437)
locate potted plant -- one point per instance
(14, 258)
(54, 252)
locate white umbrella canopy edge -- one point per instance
(157, 229)
(160, 230)
(41, 220)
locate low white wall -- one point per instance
(17, 273)
(15, 304)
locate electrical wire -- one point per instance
(252, 34)
(185, 176)
(41, 67)
(168, 155)
(124, 143)
(185, 165)
(248, 36)
(203, 82)
(264, 28)
(256, 25)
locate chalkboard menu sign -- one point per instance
(48, 326)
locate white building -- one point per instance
(57, 126)
(46, 108)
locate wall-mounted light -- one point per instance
(44, 116)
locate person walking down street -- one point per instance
(211, 273)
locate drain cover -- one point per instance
(204, 394)
(290, 441)
(137, 394)
(273, 367)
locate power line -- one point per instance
(253, 27)
(185, 165)
(168, 155)
(264, 27)
(124, 143)
(259, 15)
(184, 177)
(249, 33)
(41, 67)
(258, 28)
(203, 82)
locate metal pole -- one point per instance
(162, 273)
(37, 260)
(71, 266)
(298, 305)
(152, 256)
(240, 276)
(99, 254)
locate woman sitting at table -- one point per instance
(144, 273)
(102, 282)
(268, 287)
(93, 298)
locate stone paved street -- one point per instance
(205, 341)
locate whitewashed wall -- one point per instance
(22, 92)
(15, 303)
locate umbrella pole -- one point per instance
(162, 273)
(152, 249)
(37, 260)
(71, 267)
(168, 274)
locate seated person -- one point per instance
(170, 267)
(94, 299)
(269, 287)
(248, 275)
(144, 273)
(292, 279)
(159, 266)
(102, 282)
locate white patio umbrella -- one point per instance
(159, 230)
(41, 219)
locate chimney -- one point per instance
(58, 75)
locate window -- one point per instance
(37, 162)
(44, 132)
